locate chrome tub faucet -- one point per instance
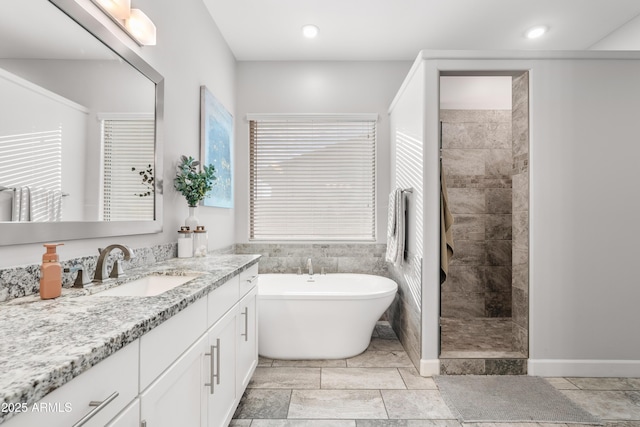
(310, 266)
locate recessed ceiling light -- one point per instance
(536, 32)
(310, 31)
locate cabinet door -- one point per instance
(178, 396)
(247, 339)
(222, 370)
(129, 417)
(163, 345)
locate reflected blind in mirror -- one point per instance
(312, 177)
(32, 159)
(128, 150)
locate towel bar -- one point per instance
(3, 188)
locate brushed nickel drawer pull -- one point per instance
(215, 365)
(245, 313)
(217, 375)
(99, 406)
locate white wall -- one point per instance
(584, 231)
(190, 52)
(314, 87)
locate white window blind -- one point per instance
(312, 178)
(128, 144)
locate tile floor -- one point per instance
(381, 388)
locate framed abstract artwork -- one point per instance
(216, 146)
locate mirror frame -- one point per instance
(35, 232)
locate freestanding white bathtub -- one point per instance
(327, 317)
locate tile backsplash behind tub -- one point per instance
(367, 258)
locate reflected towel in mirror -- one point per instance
(20, 204)
(36, 205)
(45, 205)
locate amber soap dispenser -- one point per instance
(50, 273)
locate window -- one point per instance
(128, 150)
(312, 177)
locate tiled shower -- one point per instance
(484, 301)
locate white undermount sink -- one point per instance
(147, 286)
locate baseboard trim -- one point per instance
(583, 368)
(429, 367)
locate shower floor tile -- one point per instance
(480, 334)
(470, 354)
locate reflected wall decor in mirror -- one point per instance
(80, 114)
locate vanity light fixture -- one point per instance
(310, 31)
(536, 32)
(134, 22)
(119, 9)
(141, 27)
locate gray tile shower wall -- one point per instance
(477, 160)
(520, 256)
(404, 314)
(24, 280)
(365, 258)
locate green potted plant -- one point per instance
(193, 184)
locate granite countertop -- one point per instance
(46, 343)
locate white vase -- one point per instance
(192, 221)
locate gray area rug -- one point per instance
(502, 398)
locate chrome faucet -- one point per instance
(310, 266)
(101, 266)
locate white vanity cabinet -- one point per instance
(189, 371)
(247, 338)
(90, 400)
(221, 392)
(204, 385)
(233, 344)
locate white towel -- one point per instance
(46, 205)
(20, 204)
(395, 228)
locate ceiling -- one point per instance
(399, 29)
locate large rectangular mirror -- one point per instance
(80, 117)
